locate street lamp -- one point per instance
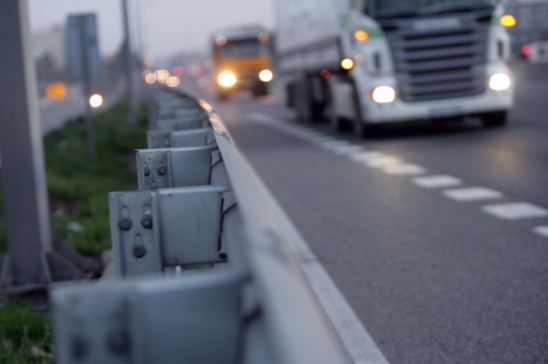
(96, 101)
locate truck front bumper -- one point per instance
(401, 111)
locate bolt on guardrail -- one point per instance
(205, 272)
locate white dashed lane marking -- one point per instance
(404, 169)
(516, 211)
(441, 181)
(376, 159)
(394, 166)
(469, 194)
(542, 230)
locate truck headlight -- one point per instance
(383, 94)
(227, 79)
(500, 82)
(266, 76)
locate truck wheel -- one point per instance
(307, 110)
(497, 119)
(223, 96)
(360, 128)
(330, 110)
(302, 109)
(260, 91)
(290, 96)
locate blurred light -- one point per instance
(197, 71)
(221, 41)
(266, 76)
(526, 50)
(96, 101)
(227, 79)
(383, 94)
(150, 78)
(264, 37)
(56, 91)
(173, 81)
(178, 71)
(162, 75)
(500, 82)
(361, 35)
(347, 64)
(325, 74)
(508, 21)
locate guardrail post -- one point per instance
(168, 228)
(175, 167)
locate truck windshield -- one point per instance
(411, 8)
(242, 48)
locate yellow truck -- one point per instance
(242, 61)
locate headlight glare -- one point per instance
(227, 79)
(500, 82)
(383, 94)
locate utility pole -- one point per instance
(130, 80)
(30, 262)
(86, 84)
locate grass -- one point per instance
(25, 336)
(78, 184)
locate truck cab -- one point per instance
(242, 61)
(398, 61)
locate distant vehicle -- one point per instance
(242, 60)
(535, 52)
(383, 61)
(530, 27)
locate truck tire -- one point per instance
(223, 96)
(306, 109)
(497, 119)
(359, 127)
(330, 111)
(260, 91)
(290, 96)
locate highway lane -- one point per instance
(434, 279)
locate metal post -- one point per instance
(130, 84)
(27, 214)
(86, 85)
(30, 262)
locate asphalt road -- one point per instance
(436, 271)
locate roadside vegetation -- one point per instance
(25, 336)
(78, 188)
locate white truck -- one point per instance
(385, 61)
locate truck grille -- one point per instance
(439, 64)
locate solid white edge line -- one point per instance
(355, 337)
(360, 345)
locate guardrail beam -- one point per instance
(179, 139)
(197, 319)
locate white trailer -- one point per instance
(385, 61)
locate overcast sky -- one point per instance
(168, 26)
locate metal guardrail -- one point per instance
(206, 262)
